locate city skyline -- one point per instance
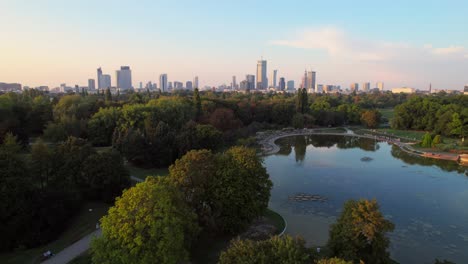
(393, 43)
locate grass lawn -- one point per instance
(142, 173)
(403, 133)
(387, 112)
(83, 224)
(330, 130)
(208, 248)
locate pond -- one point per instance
(426, 199)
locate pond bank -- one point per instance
(267, 141)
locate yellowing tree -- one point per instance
(150, 223)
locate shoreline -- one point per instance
(269, 146)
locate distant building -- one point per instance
(403, 90)
(262, 81)
(366, 87)
(319, 88)
(169, 86)
(250, 81)
(106, 81)
(124, 78)
(234, 83)
(354, 87)
(273, 78)
(99, 78)
(195, 82)
(243, 85)
(380, 86)
(10, 87)
(178, 85)
(163, 82)
(290, 85)
(310, 81)
(189, 85)
(282, 84)
(465, 91)
(141, 86)
(91, 84)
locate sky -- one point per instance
(401, 43)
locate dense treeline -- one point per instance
(158, 220)
(40, 191)
(443, 115)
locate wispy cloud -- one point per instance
(338, 44)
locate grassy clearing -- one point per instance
(142, 173)
(83, 224)
(410, 134)
(330, 130)
(388, 113)
(208, 248)
(275, 219)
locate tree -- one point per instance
(436, 141)
(298, 120)
(149, 223)
(426, 141)
(197, 102)
(334, 261)
(360, 233)
(192, 175)
(108, 95)
(456, 125)
(102, 124)
(371, 118)
(284, 249)
(105, 176)
(41, 163)
(240, 191)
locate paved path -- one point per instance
(79, 247)
(73, 251)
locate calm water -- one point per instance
(427, 200)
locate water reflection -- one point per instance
(427, 204)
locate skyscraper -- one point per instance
(189, 85)
(124, 78)
(354, 87)
(91, 85)
(282, 84)
(234, 83)
(262, 81)
(195, 82)
(250, 81)
(380, 86)
(290, 85)
(366, 87)
(99, 78)
(273, 76)
(465, 91)
(163, 82)
(106, 81)
(311, 81)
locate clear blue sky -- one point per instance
(401, 43)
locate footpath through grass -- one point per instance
(83, 224)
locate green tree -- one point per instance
(102, 124)
(436, 141)
(108, 95)
(193, 174)
(298, 120)
(197, 102)
(456, 125)
(426, 141)
(105, 176)
(284, 249)
(150, 223)
(240, 191)
(41, 163)
(360, 233)
(333, 261)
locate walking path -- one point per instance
(80, 246)
(74, 250)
